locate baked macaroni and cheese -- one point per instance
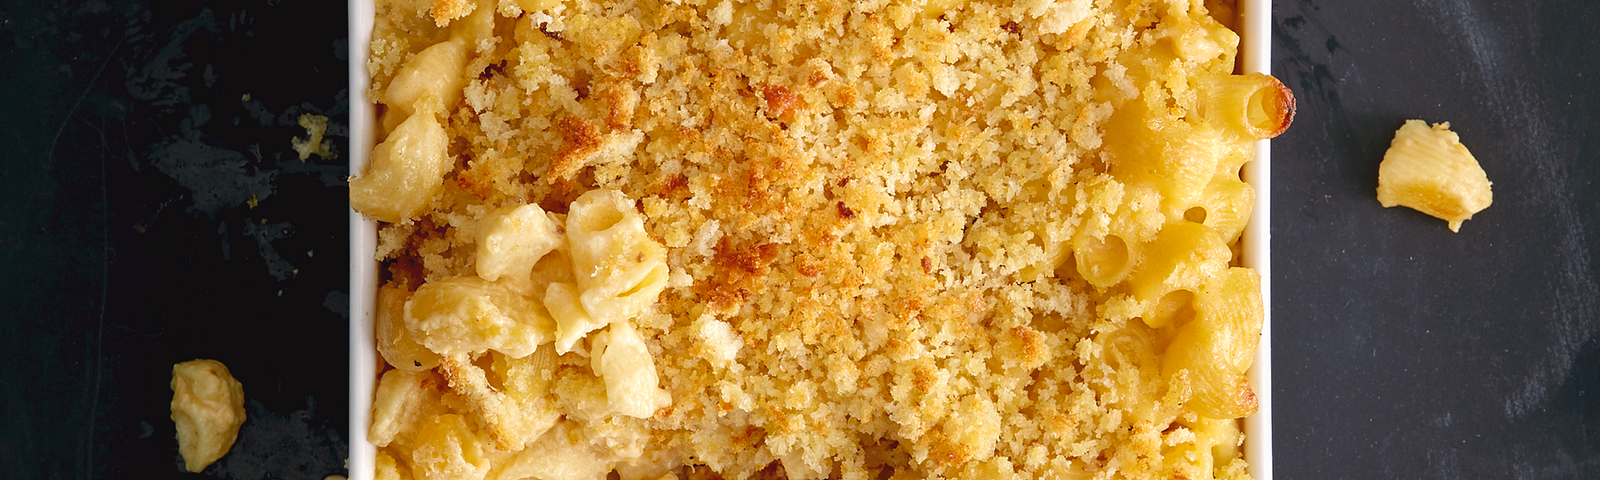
(770, 238)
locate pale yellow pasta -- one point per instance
(510, 421)
(388, 468)
(1172, 309)
(405, 400)
(526, 379)
(1182, 256)
(1175, 157)
(1056, 246)
(477, 25)
(620, 438)
(526, 383)
(1218, 346)
(1428, 169)
(1129, 212)
(561, 454)
(655, 464)
(555, 267)
(395, 342)
(513, 239)
(1225, 206)
(398, 33)
(448, 449)
(435, 72)
(1104, 261)
(1206, 448)
(1133, 377)
(1252, 106)
(619, 268)
(580, 395)
(1224, 440)
(405, 172)
(572, 320)
(621, 358)
(471, 315)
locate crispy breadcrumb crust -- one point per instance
(866, 193)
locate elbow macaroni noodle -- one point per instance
(511, 242)
(619, 268)
(916, 239)
(1428, 169)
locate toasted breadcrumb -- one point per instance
(444, 11)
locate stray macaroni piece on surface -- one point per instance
(819, 239)
(1428, 169)
(208, 408)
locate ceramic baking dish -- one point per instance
(1254, 52)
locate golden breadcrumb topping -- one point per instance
(864, 207)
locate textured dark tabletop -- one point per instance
(1402, 350)
(152, 211)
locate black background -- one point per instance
(128, 242)
(1402, 350)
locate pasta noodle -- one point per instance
(1429, 170)
(406, 171)
(448, 448)
(620, 269)
(511, 241)
(395, 341)
(472, 315)
(621, 358)
(435, 72)
(405, 400)
(1217, 347)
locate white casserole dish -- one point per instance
(1256, 56)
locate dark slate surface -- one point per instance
(128, 241)
(129, 156)
(1403, 350)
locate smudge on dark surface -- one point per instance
(1574, 292)
(270, 446)
(217, 179)
(338, 302)
(259, 112)
(264, 234)
(156, 81)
